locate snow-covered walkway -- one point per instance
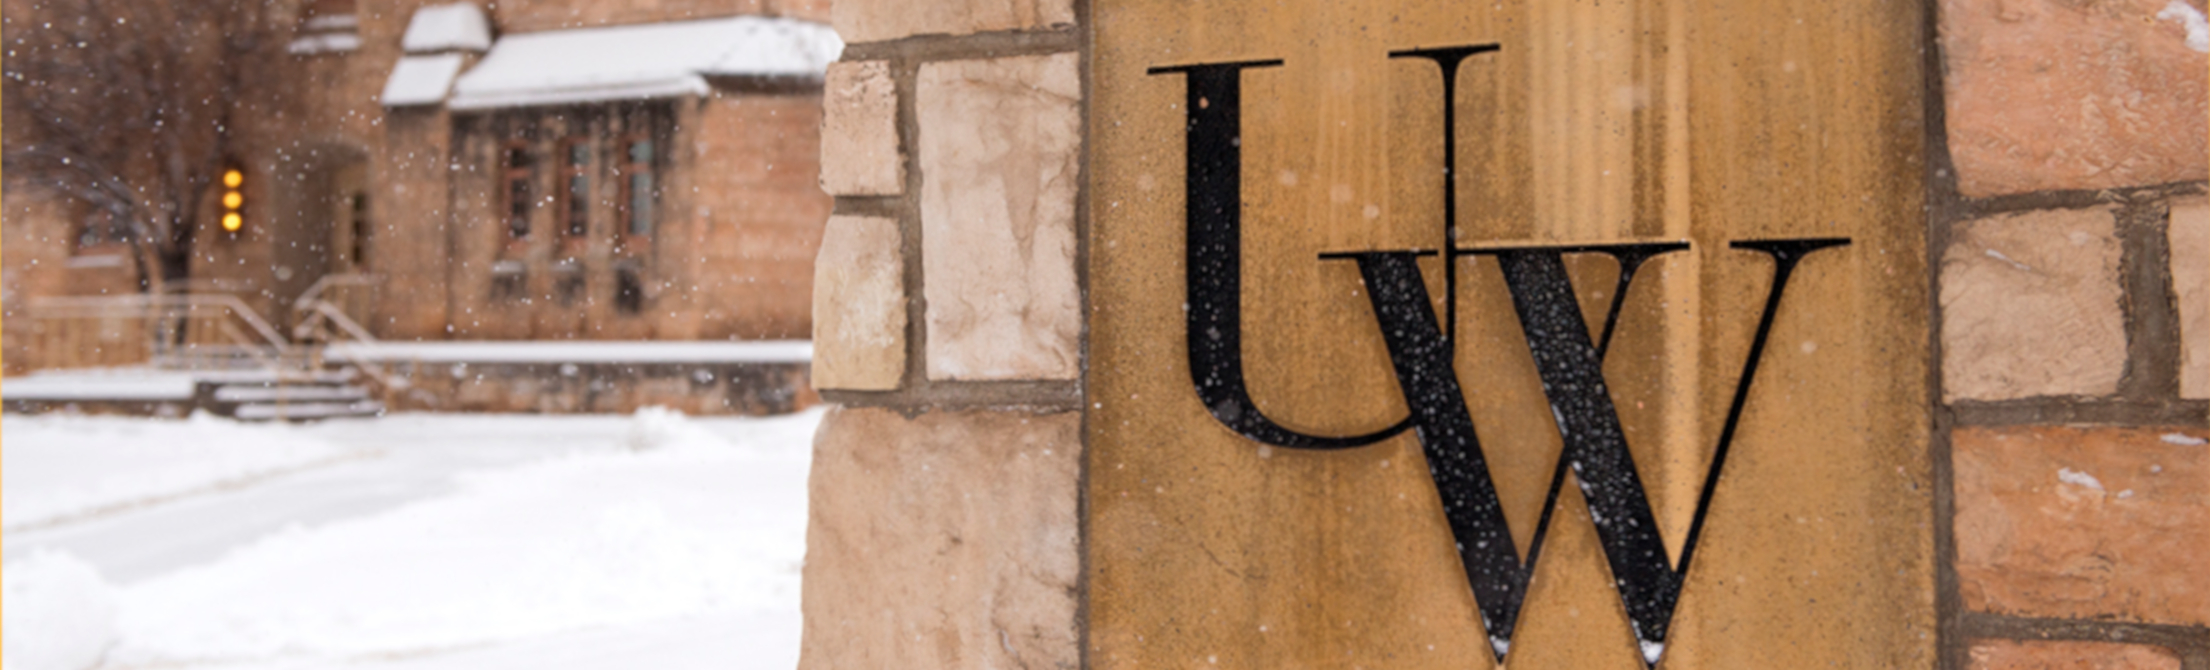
(411, 541)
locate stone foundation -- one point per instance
(698, 389)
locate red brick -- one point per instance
(2069, 655)
(2073, 94)
(2084, 522)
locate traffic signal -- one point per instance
(234, 200)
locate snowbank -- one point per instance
(689, 523)
(99, 384)
(62, 467)
(61, 615)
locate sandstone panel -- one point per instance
(859, 306)
(2190, 263)
(947, 540)
(2048, 95)
(1000, 165)
(859, 131)
(1591, 123)
(2084, 522)
(2030, 307)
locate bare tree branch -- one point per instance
(123, 105)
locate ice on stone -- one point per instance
(2077, 478)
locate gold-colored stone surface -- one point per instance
(1594, 122)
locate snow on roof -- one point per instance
(569, 351)
(322, 43)
(642, 61)
(446, 27)
(421, 80)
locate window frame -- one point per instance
(627, 172)
(357, 255)
(629, 290)
(575, 208)
(516, 213)
(112, 237)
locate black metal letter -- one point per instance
(1214, 210)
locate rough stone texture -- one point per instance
(2062, 94)
(1000, 145)
(2084, 522)
(2069, 655)
(2030, 307)
(944, 541)
(859, 131)
(878, 20)
(859, 306)
(2190, 248)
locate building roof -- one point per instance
(458, 26)
(421, 80)
(642, 61)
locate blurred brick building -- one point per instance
(531, 169)
(544, 169)
(520, 170)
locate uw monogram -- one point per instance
(1568, 358)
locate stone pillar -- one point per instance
(2074, 312)
(1976, 437)
(948, 335)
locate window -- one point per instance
(360, 231)
(575, 166)
(520, 168)
(101, 228)
(629, 290)
(568, 283)
(509, 281)
(639, 193)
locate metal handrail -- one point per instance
(321, 311)
(139, 305)
(314, 291)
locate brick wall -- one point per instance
(41, 259)
(2072, 240)
(758, 214)
(947, 324)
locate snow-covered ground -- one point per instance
(411, 541)
(62, 467)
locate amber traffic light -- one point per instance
(234, 200)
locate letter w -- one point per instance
(1570, 363)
